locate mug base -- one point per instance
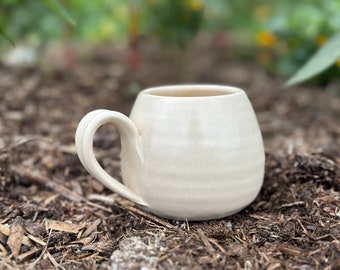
(190, 217)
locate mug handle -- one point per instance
(84, 144)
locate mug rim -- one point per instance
(173, 91)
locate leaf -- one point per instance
(58, 8)
(321, 60)
(3, 33)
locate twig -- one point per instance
(98, 206)
(91, 228)
(303, 228)
(206, 242)
(24, 256)
(46, 182)
(297, 203)
(215, 242)
(36, 240)
(290, 251)
(22, 140)
(50, 184)
(108, 200)
(149, 216)
(54, 262)
(33, 264)
(312, 237)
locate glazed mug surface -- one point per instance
(188, 152)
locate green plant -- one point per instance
(15, 16)
(2, 33)
(58, 8)
(324, 58)
(294, 32)
(174, 23)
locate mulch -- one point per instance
(53, 214)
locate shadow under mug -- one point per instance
(189, 152)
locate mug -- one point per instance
(188, 152)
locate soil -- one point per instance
(53, 214)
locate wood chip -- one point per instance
(53, 261)
(274, 266)
(109, 200)
(56, 225)
(149, 216)
(36, 240)
(68, 149)
(6, 231)
(16, 235)
(98, 206)
(50, 199)
(34, 228)
(290, 251)
(259, 217)
(29, 254)
(102, 246)
(85, 241)
(206, 242)
(92, 227)
(3, 250)
(39, 179)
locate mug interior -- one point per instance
(192, 91)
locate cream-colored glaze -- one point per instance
(190, 152)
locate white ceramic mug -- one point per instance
(190, 152)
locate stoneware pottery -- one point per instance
(189, 152)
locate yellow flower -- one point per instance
(320, 40)
(262, 13)
(265, 39)
(196, 5)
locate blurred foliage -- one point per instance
(20, 17)
(32, 21)
(58, 8)
(293, 32)
(280, 35)
(325, 57)
(174, 23)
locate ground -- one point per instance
(55, 215)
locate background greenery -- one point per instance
(279, 35)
